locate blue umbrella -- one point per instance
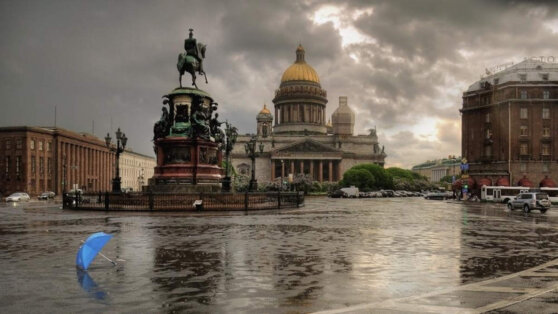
(90, 248)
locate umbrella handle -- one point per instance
(108, 259)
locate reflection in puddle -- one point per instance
(330, 254)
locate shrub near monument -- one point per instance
(373, 177)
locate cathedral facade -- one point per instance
(297, 139)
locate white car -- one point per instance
(18, 197)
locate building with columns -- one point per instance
(38, 159)
(135, 169)
(435, 170)
(301, 141)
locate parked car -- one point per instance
(351, 192)
(436, 196)
(337, 194)
(46, 195)
(530, 201)
(18, 197)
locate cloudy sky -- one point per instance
(403, 64)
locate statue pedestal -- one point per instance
(186, 165)
(188, 160)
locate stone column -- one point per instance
(283, 169)
(312, 169)
(321, 171)
(302, 166)
(276, 115)
(330, 174)
(292, 167)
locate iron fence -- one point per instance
(138, 201)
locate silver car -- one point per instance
(17, 197)
(530, 201)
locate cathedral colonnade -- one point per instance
(321, 170)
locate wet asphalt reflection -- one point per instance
(329, 254)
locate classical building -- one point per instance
(301, 141)
(434, 170)
(135, 169)
(510, 125)
(38, 159)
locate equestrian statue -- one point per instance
(191, 61)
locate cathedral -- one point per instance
(297, 139)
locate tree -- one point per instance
(360, 178)
(383, 180)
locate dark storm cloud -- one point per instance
(103, 60)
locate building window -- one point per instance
(546, 132)
(33, 166)
(8, 144)
(546, 113)
(488, 134)
(487, 117)
(41, 165)
(544, 76)
(523, 94)
(545, 149)
(523, 149)
(523, 131)
(18, 166)
(523, 167)
(545, 167)
(523, 77)
(49, 165)
(40, 145)
(546, 94)
(19, 144)
(32, 144)
(48, 146)
(488, 150)
(523, 114)
(7, 165)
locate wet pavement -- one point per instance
(350, 255)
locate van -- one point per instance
(351, 192)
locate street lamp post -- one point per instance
(121, 140)
(251, 152)
(282, 167)
(231, 135)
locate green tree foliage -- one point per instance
(360, 178)
(383, 180)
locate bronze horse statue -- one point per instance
(191, 64)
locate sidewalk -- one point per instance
(531, 291)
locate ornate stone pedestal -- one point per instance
(187, 144)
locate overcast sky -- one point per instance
(403, 64)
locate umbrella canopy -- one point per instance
(90, 248)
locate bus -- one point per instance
(501, 193)
(552, 194)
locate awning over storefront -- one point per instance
(525, 182)
(484, 181)
(547, 183)
(503, 181)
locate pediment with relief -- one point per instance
(307, 146)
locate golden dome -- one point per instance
(265, 110)
(300, 70)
